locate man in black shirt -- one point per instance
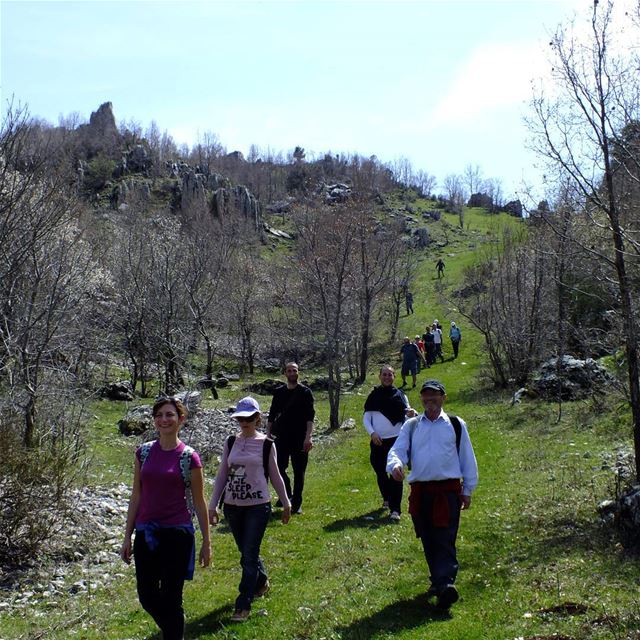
(291, 424)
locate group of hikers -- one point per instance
(425, 349)
(168, 488)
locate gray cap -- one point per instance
(436, 385)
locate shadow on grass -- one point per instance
(371, 520)
(214, 621)
(401, 615)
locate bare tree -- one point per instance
(208, 250)
(578, 128)
(402, 272)
(472, 178)
(455, 195)
(378, 250)
(327, 237)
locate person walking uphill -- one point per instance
(384, 414)
(443, 476)
(410, 355)
(248, 462)
(455, 335)
(167, 477)
(291, 424)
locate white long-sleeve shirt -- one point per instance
(433, 452)
(376, 422)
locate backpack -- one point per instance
(185, 469)
(266, 452)
(457, 427)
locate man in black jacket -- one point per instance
(290, 422)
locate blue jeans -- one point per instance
(248, 525)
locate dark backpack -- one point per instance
(457, 427)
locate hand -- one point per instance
(465, 502)
(286, 515)
(308, 445)
(410, 413)
(376, 439)
(214, 518)
(125, 550)
(205, 555)
(398, 473)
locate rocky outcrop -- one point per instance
(482, 200)
(421, 236)
(101, 135)
(265, 387)
(129, 192)
(571, 380)
(137, 421)
(335, 193)
(122, 391)
(513, 208)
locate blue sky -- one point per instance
(442, 83)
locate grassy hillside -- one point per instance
(535, 562)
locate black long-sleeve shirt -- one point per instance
(291, 410)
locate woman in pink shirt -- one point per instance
(243, 477)
(164, 546)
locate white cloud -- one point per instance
(495, 75)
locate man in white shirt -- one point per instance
(443, 475)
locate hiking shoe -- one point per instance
(385, 505)
(447, 597)
(240, 615)
(297, 512)
(432, 592)
(395, 516)
(263, 590)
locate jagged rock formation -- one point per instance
(101, 135)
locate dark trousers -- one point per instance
(430, 353)
(248, 525)
(160, 576)
(288, 448)
(390, 489)
(439, 543)
(456, 345)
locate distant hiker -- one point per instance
(409, 302)
(420, 344)
(443, 475)
(440, 267)
(248, 462)
(164, 544)
(437, 341)
(385, 411)
(410, 356)
(455, 335)
(291, 424)
(429, 347)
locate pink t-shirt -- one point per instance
(241, 474)
(162, 497)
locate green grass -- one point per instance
(535, 561)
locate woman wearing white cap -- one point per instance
(248, 462)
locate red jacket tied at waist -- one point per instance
(438, 488)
